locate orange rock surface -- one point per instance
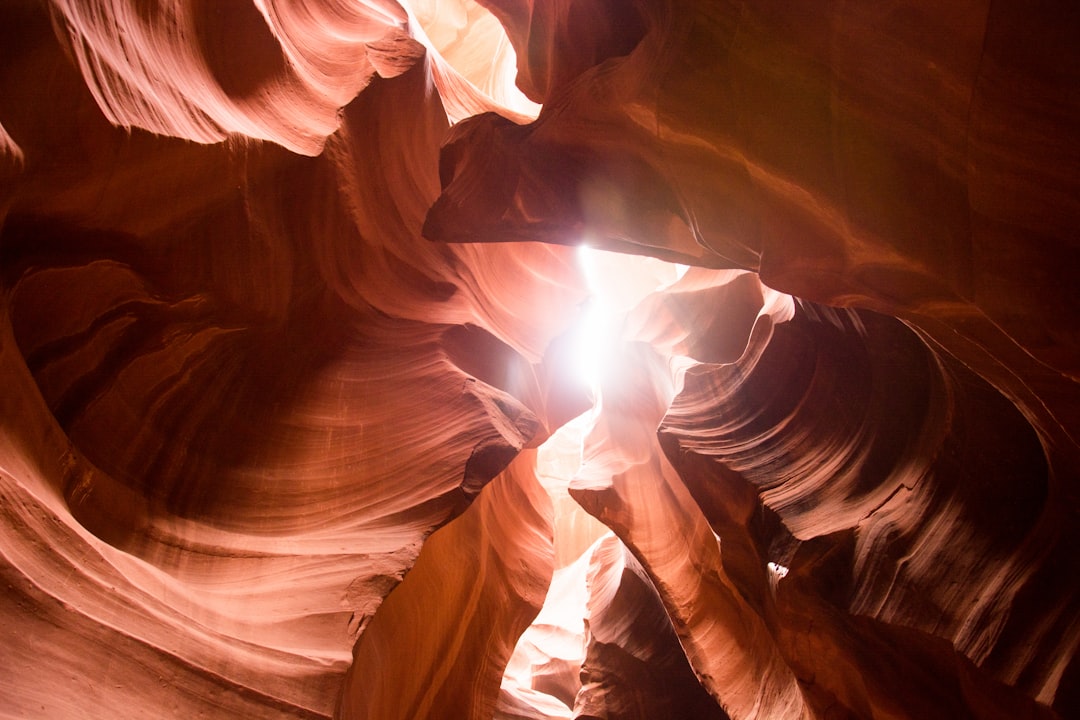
(313, 406)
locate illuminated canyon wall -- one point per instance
(312, 406)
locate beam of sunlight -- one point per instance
(617, 282)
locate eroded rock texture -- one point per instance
(291, 316)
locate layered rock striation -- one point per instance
(292, 314)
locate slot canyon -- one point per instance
(540, 359)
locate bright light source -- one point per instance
(623, 280)
(777, 569)
(598, 334)
(617, 282)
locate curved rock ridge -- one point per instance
(542, 678)
(879, 483)
(475, 588)
(557, 41)
(635, 667)
(211, 345)
(899, 159)
(896, 159)
(277, 70)
(602, 647)
(627, 484)
(482, 62)
(312, 407)
(282, 75)
(76, 602)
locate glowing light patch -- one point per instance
(617, 283)
(595, 345)
(777, 569)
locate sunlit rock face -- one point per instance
(312, 407)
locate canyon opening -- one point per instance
(539, 360)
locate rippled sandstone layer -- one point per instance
(290, 307)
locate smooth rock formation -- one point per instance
(312, 407)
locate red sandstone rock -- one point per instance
(284, 329)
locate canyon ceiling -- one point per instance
(725, 366)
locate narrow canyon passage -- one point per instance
(520, 360)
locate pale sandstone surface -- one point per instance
(289, 322)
